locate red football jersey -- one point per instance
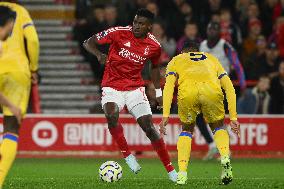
(126, 57)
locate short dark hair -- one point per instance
(190, 44)
(145, 13)
(6, 14)
(214, 25)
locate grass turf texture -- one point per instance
(83, 173)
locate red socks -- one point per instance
(159, 146)
(162, 152)
(118, 136)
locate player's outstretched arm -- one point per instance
(15, 110)
(91, 47)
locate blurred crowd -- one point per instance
(255, 28)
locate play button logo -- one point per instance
(44, 134)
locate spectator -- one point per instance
(254, 62)
(132, 7)
(278, 10)
(183, 14)
(83, 8)
(249, 44)
(215, 17)
(190, 33)
(81, 29)
(277, 35)
(153, 7)
(229, 30)
(255, 100)
(252, 14)
(277, 92)
(186, 11)
(266, 10)
(110, 16)
(271, 62)
(242, 9)
(253, 11)
(210, 7)
(168, 44)
(223, 51)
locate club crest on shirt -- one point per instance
(146, 51)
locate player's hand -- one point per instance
(235, 127)
(163, 125)
(34, 78)
(102, 58)
(16, 112)
(160, 102)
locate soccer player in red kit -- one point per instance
(122, 84)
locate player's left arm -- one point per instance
(235, 62)
(155, 76)
(227, 85)
(31, 37)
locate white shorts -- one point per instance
(136, 101)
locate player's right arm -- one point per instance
(104, 37)
(91, 46)
(171, 77)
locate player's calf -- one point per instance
(11, 125)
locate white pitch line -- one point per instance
(201, 178)
(256, 178)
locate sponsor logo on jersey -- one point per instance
(131, 56)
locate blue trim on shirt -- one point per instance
(27, 25)
(222, 75)
(171, 73)
(185, 134)
(217, 129)
(10, 137)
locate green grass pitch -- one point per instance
(83, 173)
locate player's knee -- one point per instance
(112, 119)
(147, 126)
(217, 124)
(111, 113)
(11, 125)
(152, 133)
(188, 127)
